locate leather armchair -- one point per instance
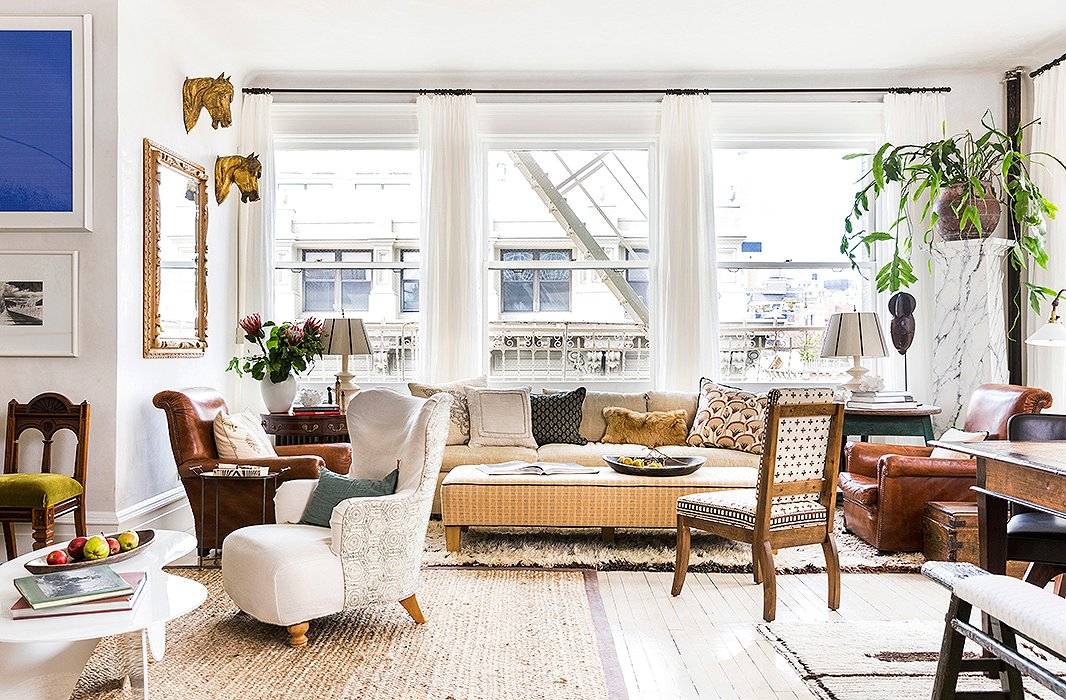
(190, 420)
(886, 487)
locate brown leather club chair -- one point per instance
(190, 419)
(886, 487)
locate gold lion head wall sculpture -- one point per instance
(212, 94)
(243, 171)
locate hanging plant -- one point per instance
(965, 181)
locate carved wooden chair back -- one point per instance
(49, 414)
(801, 452)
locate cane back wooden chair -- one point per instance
(795, 498)
(41, 498)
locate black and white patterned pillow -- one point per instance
(557, 417)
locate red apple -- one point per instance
(57, 557)
(115, 546)
(75, 547)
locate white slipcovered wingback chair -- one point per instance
(287, 574)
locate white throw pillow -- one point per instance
(956, 435)
(500, 417)
(241, 436)
(459, 424)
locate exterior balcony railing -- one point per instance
(587, 352)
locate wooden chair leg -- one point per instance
(769, 583)
(832, 570)
(1010, 678)
(43, 521)
(1040, 574)
(410, 604)
(756, 574)
(684, 538)
(9, 541)
(298, 635)
(453, 535)
(607, 534)
(950, 663)
(79, 520)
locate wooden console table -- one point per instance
(289, 429)
(914, 422)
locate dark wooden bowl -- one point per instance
(679, 466)
(40, 566)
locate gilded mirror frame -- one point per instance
(157, 157)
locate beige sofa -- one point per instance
(593, 427)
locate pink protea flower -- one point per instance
(252, 326)
(312, 326)
(294, 334)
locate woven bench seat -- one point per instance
(1030, 611)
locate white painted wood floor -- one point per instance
(704, 644)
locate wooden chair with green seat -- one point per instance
(41, 498)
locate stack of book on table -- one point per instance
(882, 401)
(93, 589)
(321, 409)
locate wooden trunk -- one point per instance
(951, 532)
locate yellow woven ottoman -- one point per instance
(606, 499)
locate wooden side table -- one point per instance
(911, 422)
(289, 429)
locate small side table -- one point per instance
(911, 422)
(268, 480)
(289, 429)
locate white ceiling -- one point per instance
(661, 36)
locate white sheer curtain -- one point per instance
(684, 313)
(255, 220)
(915, 118)
(1045, 364)
(451, 304)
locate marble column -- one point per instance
(970, 347)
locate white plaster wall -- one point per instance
(90, 376)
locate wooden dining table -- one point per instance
(1032, 474)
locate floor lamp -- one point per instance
(344, 337)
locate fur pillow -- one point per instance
(729, 418)
(625, 427)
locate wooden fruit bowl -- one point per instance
(40, 566)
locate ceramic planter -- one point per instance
(989, 211)
(278, 397)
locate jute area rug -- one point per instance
(877, 660)
(489, 634)
(646, 550)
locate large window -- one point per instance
(780, 272)
(409, 282)
(331, 291)
(568, 287)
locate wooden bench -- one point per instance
(1014, 608)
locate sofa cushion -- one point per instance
(590, 455)
(716, 456)
(653, 428)
(557, 417)
(674, 400)
(500, 417)
(593, 424)
(956, 435)
(459, 423)
(454, 455)
(729, 418)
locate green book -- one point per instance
(70, 587)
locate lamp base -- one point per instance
(856, 372)
(345, 389)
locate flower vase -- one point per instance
(278, 397)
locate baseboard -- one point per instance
(166, 511)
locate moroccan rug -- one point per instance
(489, 634)
(645, 550)
(877, 660)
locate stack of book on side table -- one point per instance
(882, 401)
(92, 589)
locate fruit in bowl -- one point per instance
(75, 547)
(57, 557)
(128, 540)
(96, 547)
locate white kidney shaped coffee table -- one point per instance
(42, 659)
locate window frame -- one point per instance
(403, 281)
(536, 297)
(338, 281)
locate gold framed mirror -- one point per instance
(175, 254)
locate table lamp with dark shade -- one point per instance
(344, 337)
(855, 334)
(1052, 333)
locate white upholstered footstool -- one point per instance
(283, 574)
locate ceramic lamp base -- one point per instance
(856, 372)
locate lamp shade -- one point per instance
(854, 334)
(1051, 333)
(344, 336)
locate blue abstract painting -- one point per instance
(36, 121)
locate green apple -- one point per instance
(128, 540)
(96, 548)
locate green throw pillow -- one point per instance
(334, 488)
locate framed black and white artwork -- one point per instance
(38, 304)
(46, 123)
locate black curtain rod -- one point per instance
(1048, 66)
(717, 91)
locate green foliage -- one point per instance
(985, 165)
(284, 349)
